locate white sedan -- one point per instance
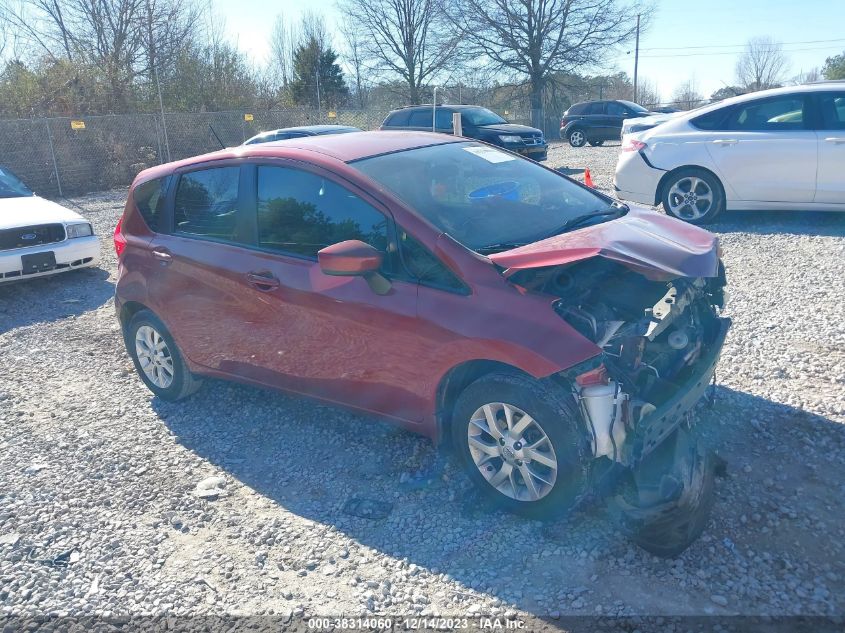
(781, 149)
(39, 237)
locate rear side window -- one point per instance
(397, 119)
(206, 203)
(578, 108)
(712, 120)
(300, 213)
(420, 118)
(832, 106)
(149, 198)
(780, 113)
(443, 118)
(595, 108)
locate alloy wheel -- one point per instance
(154, 356)
(690, 198)
(576, 138)
(512, 451)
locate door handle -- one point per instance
(726, 141)
(836, 139)
(162, 256)
(263, 281)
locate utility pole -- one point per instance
(637, 58)
(161, 109)
(317, 75)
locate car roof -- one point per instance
(453, 106)
(760, 94)
(342, 147)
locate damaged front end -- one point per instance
(660, 341)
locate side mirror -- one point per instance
(354, 258)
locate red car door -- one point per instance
(330, 337)
(191, 282)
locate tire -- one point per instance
(699, 182)
(554, 430)
(596, 143)
(170, 379)
(666, 528)
(576, 137)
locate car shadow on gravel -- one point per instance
(816, 223)
(775, 506)
(46, 299)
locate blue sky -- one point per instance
(667, 56)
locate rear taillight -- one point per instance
(633, 146)
(119, 239)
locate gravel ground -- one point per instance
(99, 511)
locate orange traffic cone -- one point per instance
(588, 180)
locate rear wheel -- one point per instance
(157, 359)
(693, 195)
(518, 441)
(577, 138)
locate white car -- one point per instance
(39, 237)
(781, 149)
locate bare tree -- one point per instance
(405, 38)
(647, 93)
(687, 96)
(762, 65)
(808, 76)
(283, 40)
(354, 55)
(538, 38)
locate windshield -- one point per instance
(11, 186)
(481, 116)
(482, 196)
(636, 107)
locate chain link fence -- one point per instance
(60, 157)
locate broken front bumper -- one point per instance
(658, 425)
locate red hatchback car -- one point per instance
(557, 338)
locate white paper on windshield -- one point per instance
(490, 154)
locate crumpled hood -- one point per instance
(510, 128)
(657, 246)
(31, 210)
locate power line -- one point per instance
(793, 50)
(684, 48)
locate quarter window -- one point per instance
(782, 113)
(301, 213)
(832, 105)
(424, 266)
(206, 203)
(149, 198)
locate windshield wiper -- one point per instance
(578, 220)
(497, 248)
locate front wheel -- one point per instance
(157, 360)
(518, 440)
(693, 195)
(596, 143)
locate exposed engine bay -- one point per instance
(652, 335)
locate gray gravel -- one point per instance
(232, 502)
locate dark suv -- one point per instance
(595, 122)
(476, 122)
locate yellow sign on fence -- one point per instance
(248, 117)
(332, 114)
(77, 125)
